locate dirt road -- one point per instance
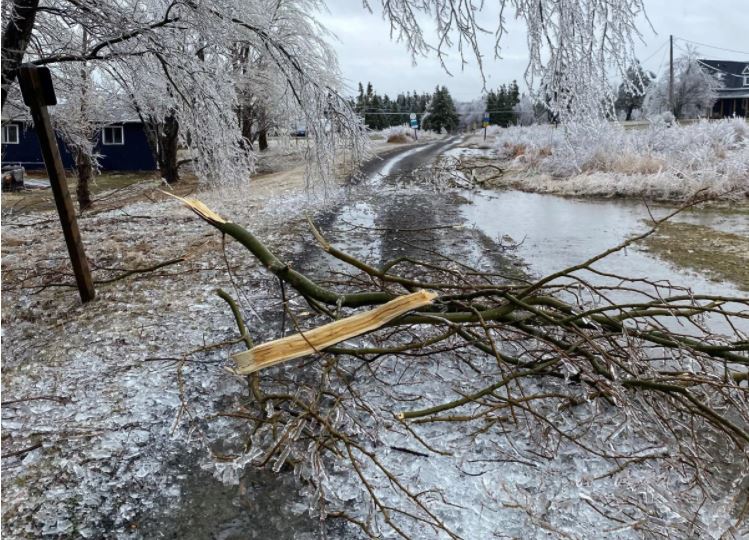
(388, 211)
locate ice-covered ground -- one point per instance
(92, 410)
(658, 161)
(102, 403)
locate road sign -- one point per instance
(414, 123)
(413, 116)
(486, 119)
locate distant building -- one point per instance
(123, 146)
(733, 98)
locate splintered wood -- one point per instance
(317, 339)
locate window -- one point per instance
(745, 73)
(10, 134)
(746, 80)
(112, 135)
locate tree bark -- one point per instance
(167, 152)
(85, 170)
(245, 120)
(16, 37)
(263, 140)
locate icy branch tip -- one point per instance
(198, 207)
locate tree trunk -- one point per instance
(245, 119)
(16, 36)
(85, 169)
(263, 140)
(168, 143)
(630, 108)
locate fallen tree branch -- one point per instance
(318, 339)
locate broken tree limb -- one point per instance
(299, 281)
(318, 339)
(506, 308)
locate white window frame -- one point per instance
(6, 130)
(746, 80)
(111, 141)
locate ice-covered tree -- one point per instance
(173, 60)
(471, 113)
(528, 112)
(694, 92)
(574, 45)
(77, 120)
(631, 92)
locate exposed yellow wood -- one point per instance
(198, 207)
(317, 339)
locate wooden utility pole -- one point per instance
(671, 74)
(38, 93)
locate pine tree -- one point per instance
(375, 106)
(631, 93)
(491, 106)
(360, 99)
(442, 113)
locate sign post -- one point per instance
(414, 125)
(486, 123)
(38, 93)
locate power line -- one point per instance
(721, 70)
(656, 52)
(711, 46)
(709, 66)
(367, 113)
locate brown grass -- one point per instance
(398, 138)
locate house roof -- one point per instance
(732, 74)
(15, 111)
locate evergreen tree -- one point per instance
(500, 104)
(631, 93)
(442, 113)
(375, 106)
(491, 106)
(360, 100)
(380, 112)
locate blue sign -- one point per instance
(414, 123)
(486, 117)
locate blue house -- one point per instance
(123, 146)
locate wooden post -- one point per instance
(36, 86)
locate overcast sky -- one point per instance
(366, 52)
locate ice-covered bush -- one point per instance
(402, 134)
(661, 160)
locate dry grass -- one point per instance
(626, 163)
(398, 138)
